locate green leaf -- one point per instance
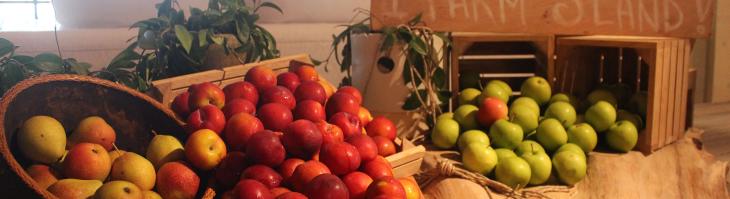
(217, 39)
(11, 75)
(185, 38)
(24, 59)
(243, 32)
(412, 102)
(270, 5)
(80, 68)
(439, 77)
(124, 59)
(415, 20)
(49, 62)
(418, 45)
(6, 47)
(315, 61)
(388, 42)
(203, 37)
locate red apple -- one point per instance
(286, 169)
(349, 123)
(306, 172)
(302, 138)
(205, 94)
(342, 102)
(251, 189)
(288, 80)
(278, 191)
(204, 149)
(292, 195)
(261, 77)
(207, 117)
(275, 116)
(181, 104)
(310, 90)
(242, 89)
(87, 161)
(279, 94)
(239, 129)
(386, 186)
(263, 174)
(365, 145)
(381, 126)
(340, 157)
(357, 183)
(386, 147)
(238, 105)
(413, 191)
(177, 180)
(352, 91)
(327, 186)
(377, 168)
(265, 148)
(365, 116)
(490, 110)
(306, 73)
(330, 133)
(309, 110)
(230, 168)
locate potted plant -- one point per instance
(404, 64)
(172, 44)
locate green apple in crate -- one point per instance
(525, 117)
(631, 117)
(622, 136)
(570, 166)
(602, 95)
(447, 115)
(561, 111)
(472, 137)
(601, 116)
(526, 102)
(469, 96)
(503, 153)
(573, 148)
(564, 97)
(466, 116)
(514, 172)
(538, 89)
(479, 158)
(505, 134)
(584, 136)
(445, 133)
(528, 146)
(551, 134)
(540, 166)
(496, 89)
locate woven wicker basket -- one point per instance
(70, 98)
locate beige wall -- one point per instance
(718, 75)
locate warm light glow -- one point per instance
(19, 15)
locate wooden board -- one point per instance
(679, 18)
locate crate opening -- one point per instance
(509, 61)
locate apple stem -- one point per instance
(154, 133)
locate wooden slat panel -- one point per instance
(671, 87)
(679, 77)
(685, 87)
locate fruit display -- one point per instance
(251, 139)
(531, 139)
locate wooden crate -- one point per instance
(405, 163)
(662, 74)
(508, 57)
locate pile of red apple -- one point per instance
(289, 136)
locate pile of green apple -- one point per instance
(533, 139)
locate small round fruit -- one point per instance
(561, 111)
(469, 96)
(601, 116)
(537, 88)
(503, 153)
(42, 139)
(570, 167)
(505, 134)
(514, 172)
(473, 136)
(551, 134)
(584, 136)
(528, 146)
(479, 158)
(445, 133)
(465, 115)
(573, 148)
(526, 102)
(622, 136)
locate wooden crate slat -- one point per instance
(678, 87)
(686, 84)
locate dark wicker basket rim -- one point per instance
(11, 94)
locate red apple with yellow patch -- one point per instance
(207, 117)
(365, 116)
(306, 73)
(205, 94)
(239, 129)
(310, 110)
(87, 161)
(357, 183)
(243, 90)
(330, 133)
(304, 174)
(340, 157)
(204, 149)
(349, 123)
(387, 186)
(177, 180)
(352, 91)
(262, 77)
(386, 147)
(381, 126)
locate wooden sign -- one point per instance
(677, 18)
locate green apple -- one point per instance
(525, 117)
(570, 167)
(538, 89)
(479, 158)
(497, 89)
(563, 97)
(622, 136)
(472, 136)
(447, 115)
(561, 111)
(584, 136)
(601, 116)
(445, 133)
(633, 118)
(602, 95)
(469, 96)
(505, 134)
(540, 166)
(504, 153)
(528, 146)
(526, 102)
(571, 147)
(637, 103)
(551, 134)
(469, 79)
(465, 115)
(514, 172)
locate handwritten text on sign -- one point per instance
(680, 18)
